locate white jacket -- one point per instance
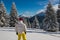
(20, 27)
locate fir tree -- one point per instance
(5, 15)
(36, 23)
(2, 19)
(13, 15)
(50, 22)
(58, 15)
(29, 24)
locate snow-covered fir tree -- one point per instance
(58, 14)
(2, 18)
(13, 15)
(5, 15)
(50, 21)
(35, 23)
(29, 24)
(25, 21)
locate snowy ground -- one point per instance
(32, 34)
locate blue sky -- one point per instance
(28, 7)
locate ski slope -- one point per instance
(32, 34)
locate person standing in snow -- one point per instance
(20, 28)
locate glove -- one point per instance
(16, 33)
(25, 32)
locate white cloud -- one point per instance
(42, 3)
(54, 1)
(55, 7)
(27, 14)
(39, 11)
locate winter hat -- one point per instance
(20, 19)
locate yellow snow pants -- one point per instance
(23, 35)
